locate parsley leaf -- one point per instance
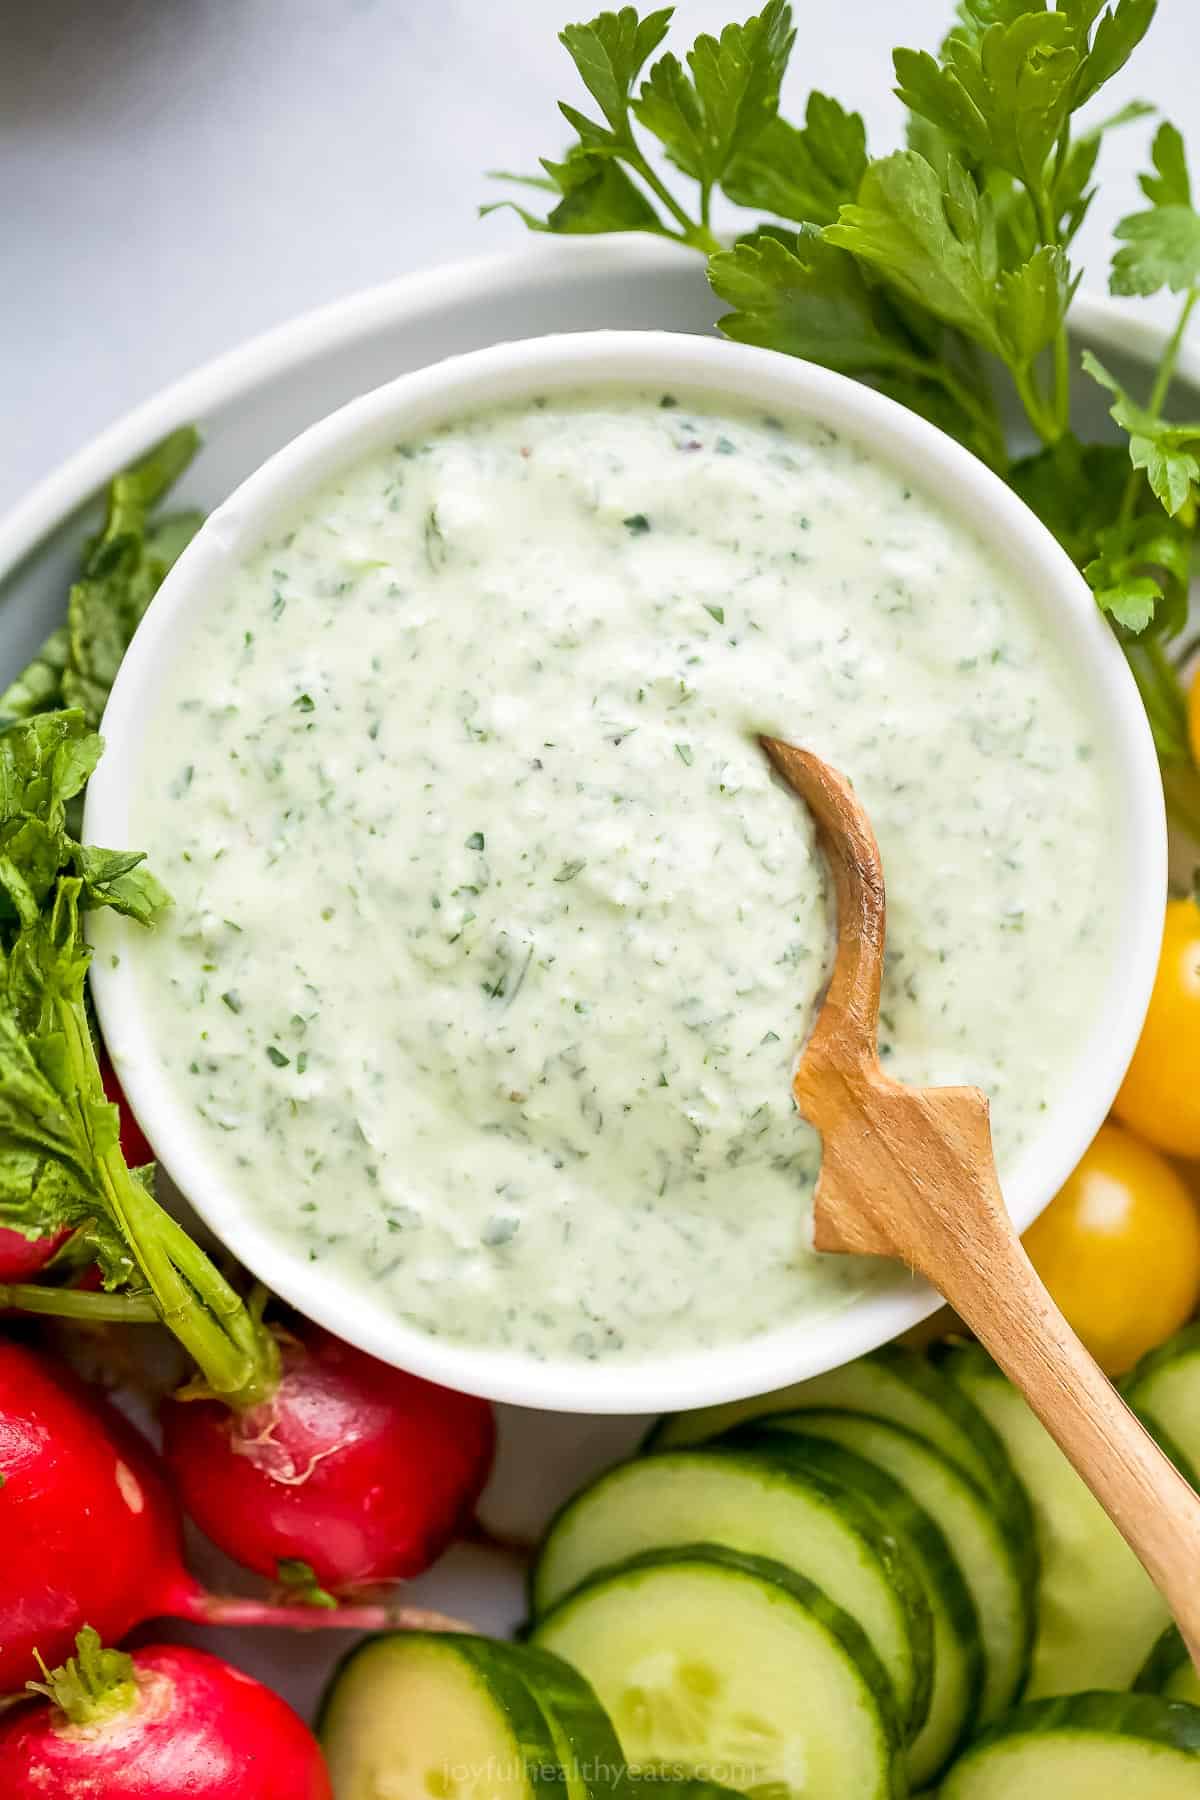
(1170, 184)
(1140, 573)
(609, 54)
(933, 241)
(802, 173)
(997, 40)
(1071, 193)
(123, 569)
(119, 880)
(39, 685)
(1031, 304)
(1002, 97)
(597, 195)
(732, 94)
(1168, 453)
(1120, 31)
(797, 292)
(1161, 246)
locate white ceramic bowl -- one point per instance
(964, 487)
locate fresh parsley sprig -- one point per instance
(704, 116)
(938, 272)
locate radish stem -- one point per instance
(72, 1303)
(236, 1355)
(217, 1609)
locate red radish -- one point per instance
(165, 1723)
(90, 1533)
(361, 1472)
(21, 1258)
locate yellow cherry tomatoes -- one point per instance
(1160, 1095)
(1119, 1249)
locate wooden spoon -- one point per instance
(910, 1173)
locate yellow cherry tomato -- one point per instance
(1194, 716)
(1160, 1095)
(1119, 1249)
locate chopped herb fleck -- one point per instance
(276, 1056)
(570, 870)
(637, 524)
(435, 543)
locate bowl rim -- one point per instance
(455, 388)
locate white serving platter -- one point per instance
(247, 404)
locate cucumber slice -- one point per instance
(1164, 1390)
(424, 1716)
(752, 1503)
(1169, 1670)
(589, 1750)
(1098, 1611)
(893, 1383)
(1095, 1746)
(733, 1666)
(1001, 1575)
(957, 1652)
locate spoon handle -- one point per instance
(993, 1286)
(910, 1173)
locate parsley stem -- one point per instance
(1060, 392)
(1044, 424)
(695, 233)
(1164, 699)
(1170, 356)
(1062, 382)
(1163, 378)
(984, 416)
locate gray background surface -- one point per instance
(176, 175)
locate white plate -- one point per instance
(250, 402)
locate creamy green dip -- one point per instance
(495, 939)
